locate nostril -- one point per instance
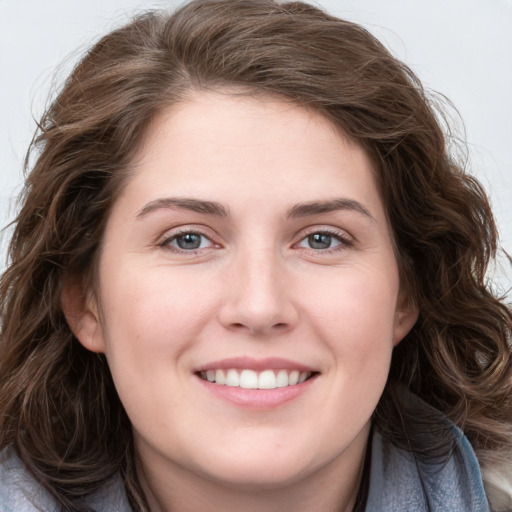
(279, 326)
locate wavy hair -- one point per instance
(58, 405)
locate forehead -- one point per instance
(221, 146)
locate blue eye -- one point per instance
(321, 241)
(188, 241)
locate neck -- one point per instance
(334, 487)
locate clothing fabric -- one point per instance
(400, 480)
(19, 492)
(401, 483)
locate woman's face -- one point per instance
(250, 248)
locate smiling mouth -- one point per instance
(251, 379)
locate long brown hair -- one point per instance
(58, 405)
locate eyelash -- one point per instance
(345, 241)
(181, 233)
(341, 236)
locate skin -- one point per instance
(256, 288)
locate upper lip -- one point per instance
(249, 363)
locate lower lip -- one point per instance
(257, 398)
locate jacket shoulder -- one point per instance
(433, 468)
(19, 491)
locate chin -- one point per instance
(260, 475)
(262, 467)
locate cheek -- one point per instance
(142, 302)
(358, 312)
(150, 321)
(355, 319)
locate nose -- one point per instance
(258, 298)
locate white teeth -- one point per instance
(282, 379)
(267, 380)
(232, 379)
(219, 377)
(249, 379)
(293, 378)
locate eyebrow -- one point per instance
(219, 210)
(184, 203)
(331, 205)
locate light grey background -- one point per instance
(461, 48)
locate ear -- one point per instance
(406, 316)
(81, 312)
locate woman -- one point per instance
(247, 275)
